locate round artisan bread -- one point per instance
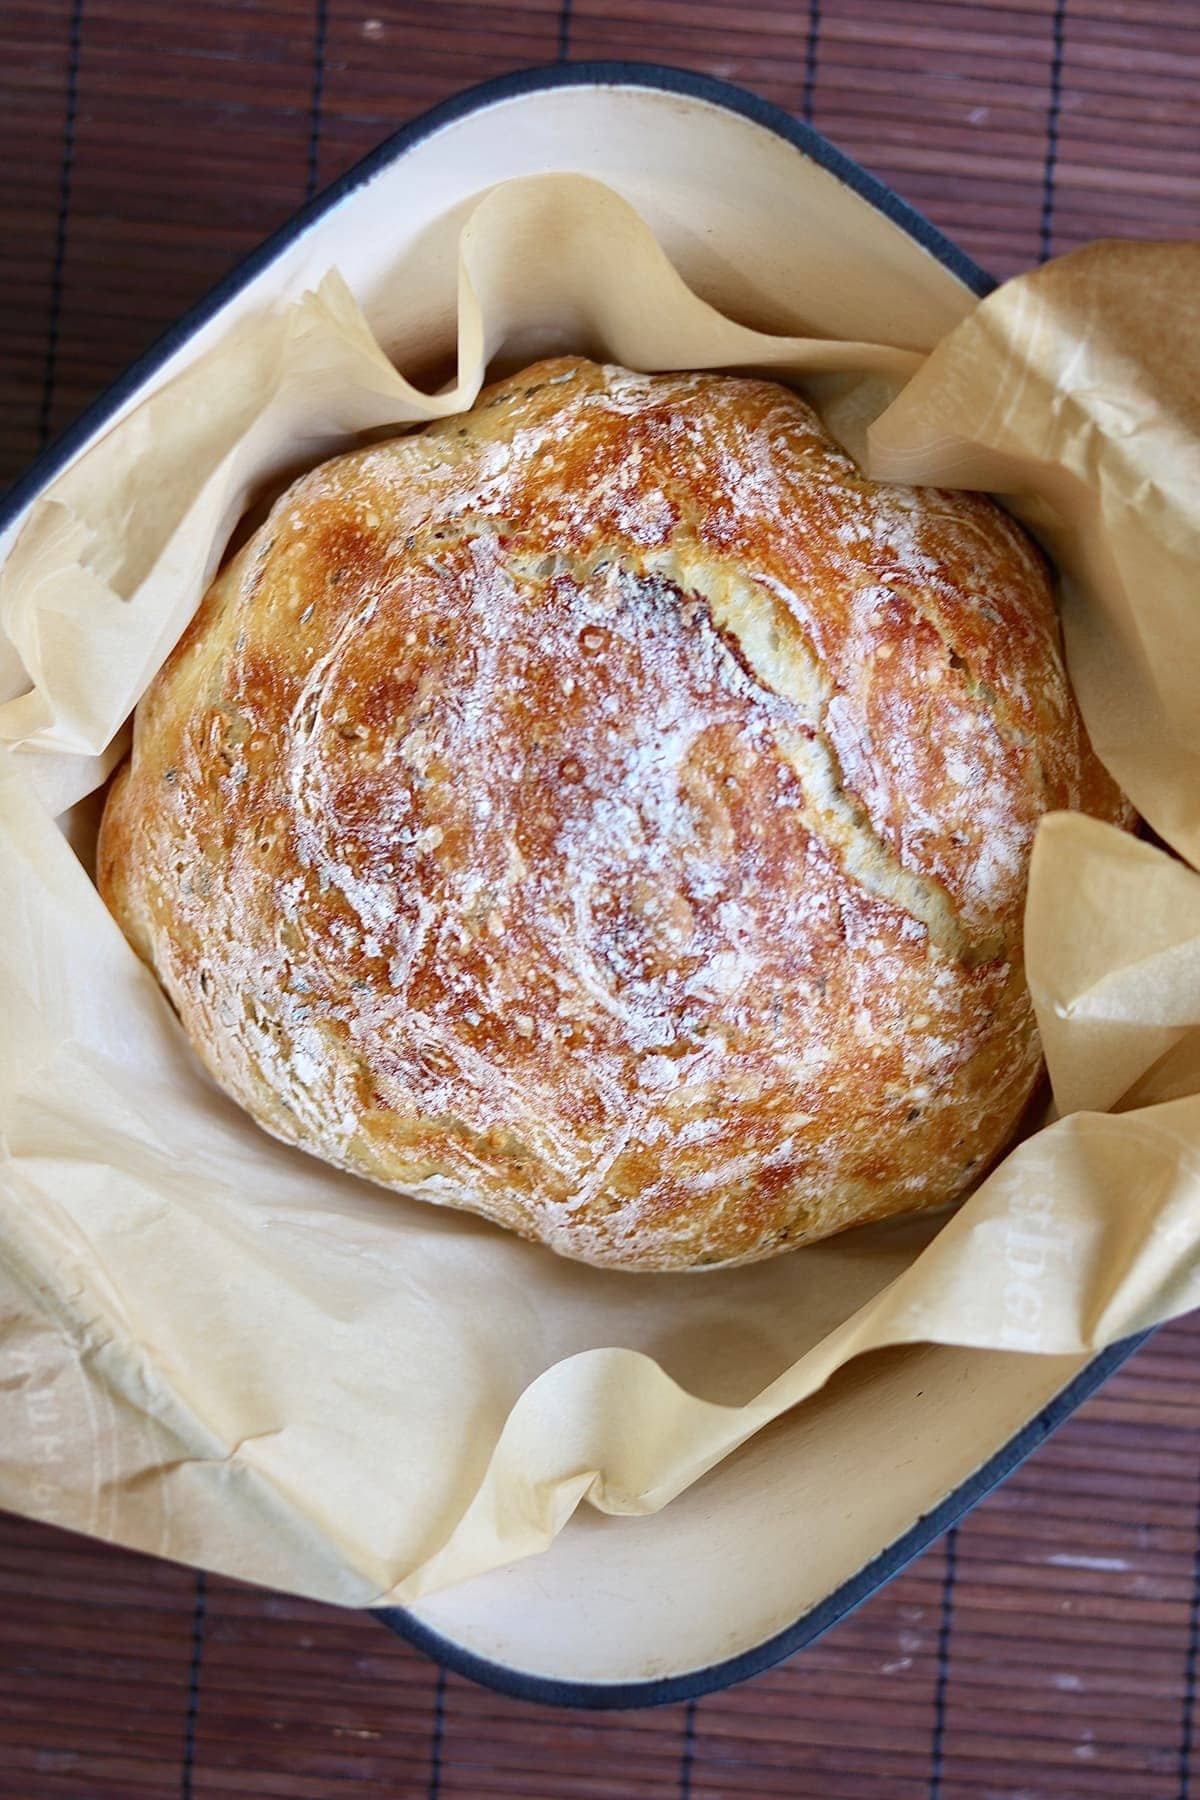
(610, 812)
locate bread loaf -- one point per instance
(610, 812)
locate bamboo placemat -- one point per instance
(1047, 1649)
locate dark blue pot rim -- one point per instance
(851, 1594)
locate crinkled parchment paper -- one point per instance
(218, 1350)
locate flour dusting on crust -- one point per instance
(610, 812)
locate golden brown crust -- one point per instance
(610, 812)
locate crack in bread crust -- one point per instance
(745, 617)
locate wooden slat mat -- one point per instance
(1047, 1650)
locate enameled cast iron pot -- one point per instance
(812, 1516)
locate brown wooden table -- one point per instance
(1047, 1650)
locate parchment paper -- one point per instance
(218, 1350)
